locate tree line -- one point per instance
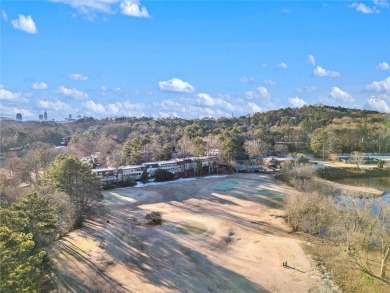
(64, 190)
(323, 130)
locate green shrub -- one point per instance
(127, 183)
(108, 186)
(144, 176)
(163, 175)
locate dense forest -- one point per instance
(314, 129)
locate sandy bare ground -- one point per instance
(218, 235)
(347, 165)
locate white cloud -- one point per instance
(251, 94)
(72, 92)
(246, 79)
(4, 15)
(115, 109)
(25, 112)
(103, 90)
(261, 92)
(336, 94)
(176, 85)
(269, 82)
(383, 66)
(254, 107)
(39, 86)
(6, 95)
(382, 3)
(360, 7)
(167, 104)
(322, 72)
(205, 105)
(297, 102)
(167, 115)
(132, 107)
(25, 23)
(94, 107)
(12, 111)
(77, 76)
(55, 105)
(311, 59)
(90, 8)
(379, 86)
(378, 105)
(307, 89)
(282, 65)
(207, 100)
(133, 8)
(191, 108)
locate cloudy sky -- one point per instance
(106, 58)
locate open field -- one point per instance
(221, 234)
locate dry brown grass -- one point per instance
(236, 241)
(354, 191)
(342, 267)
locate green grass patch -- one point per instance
(331, 173)
(224, 186)
(192, 228)
(271, 193)
(112, 198)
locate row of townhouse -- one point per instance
(178, 166)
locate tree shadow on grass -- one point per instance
(223, 213)
(152, 254)
(77, 282)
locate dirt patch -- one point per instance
(224, 234)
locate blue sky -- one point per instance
(191, 59)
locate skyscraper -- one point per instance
(45, 116)
(18, 116)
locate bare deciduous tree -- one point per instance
(383, 234)
(357, 158)
(184, 147)
(312, 212)
(256, 148)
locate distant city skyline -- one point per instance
(191, 59)
(40, 117)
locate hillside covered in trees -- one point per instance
(315, 129)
